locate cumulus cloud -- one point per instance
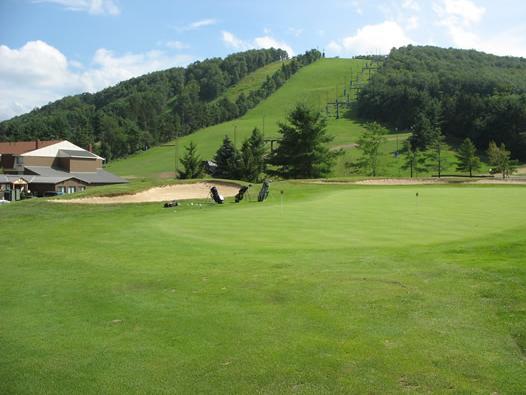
(372, 39)
(38, 73)
(231, 41)
(460, 18)
(95, 7)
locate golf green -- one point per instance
(320, 289)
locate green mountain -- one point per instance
(317, 84)
(466, 93)
(152, 109)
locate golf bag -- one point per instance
(214, 193)
(173, 203)
(263, 193)
(241, 194)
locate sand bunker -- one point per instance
(162, 194)
(412, 181)
(399, 181)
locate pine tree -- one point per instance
(369, 143)
(191, 162)
(467, 157)
(226, 159)
(415, 161)
(302, 152)
(252, 157)
(435, 153)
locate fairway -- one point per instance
(323, 289)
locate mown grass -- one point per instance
(321, 289)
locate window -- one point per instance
(71, 189)
(61, 189)
(81, 189)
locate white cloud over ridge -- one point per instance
(38, 73)
(231, 41)
(371, 39)
(94, 7)
(460, 19)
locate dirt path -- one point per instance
(162, 194)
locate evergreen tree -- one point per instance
(435, 154)
(191, 162)
(369, 143)
(414, 161)
(302, 152)
(252, 157)
(226, 159)
(467, 157)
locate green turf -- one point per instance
(340, 289)
(252, 81)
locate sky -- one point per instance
(53, 48)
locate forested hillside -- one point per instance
(463, 93)
(157, 107)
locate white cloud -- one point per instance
(271, 42)
(95, 7)
(177, 45)
(465, 10)
(458, 18)
(510, 42)
(231, 41)
(38, 73)
(372, 39)
(198, 24)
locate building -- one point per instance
(56, 166)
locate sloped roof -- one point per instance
(99, 177)
(69, 153)
(21, 147)
(53, 150)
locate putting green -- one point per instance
(325, 288)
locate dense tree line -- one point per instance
(462, 93)
(144, 111)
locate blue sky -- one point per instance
(52, 48)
